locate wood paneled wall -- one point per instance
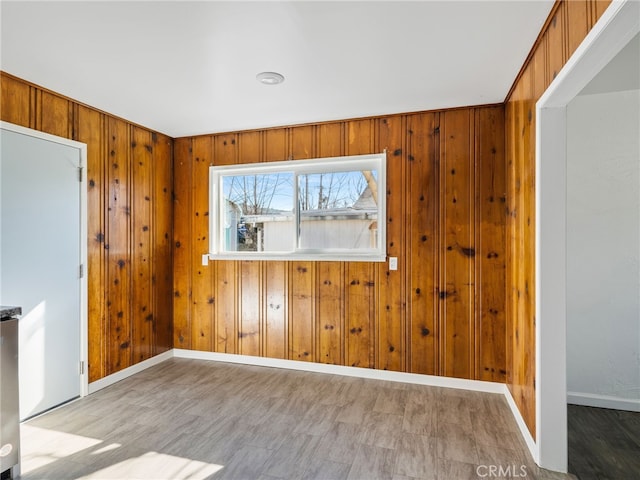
(130, 223)
(451, 192)
(442, 312)
(568, 24)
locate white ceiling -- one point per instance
(187, 68)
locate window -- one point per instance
(322, 209)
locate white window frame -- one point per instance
(376, 162)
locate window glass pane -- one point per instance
(258, 213)
(338, 210)
(319, 209)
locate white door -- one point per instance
(40, 258)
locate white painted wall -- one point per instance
(603, 250)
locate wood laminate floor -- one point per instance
(603, 444)
(191, 419)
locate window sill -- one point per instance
(308, 257)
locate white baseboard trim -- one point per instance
(447, 382)
(603, 401)
(524, 430)
(127, 372)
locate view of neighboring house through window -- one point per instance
(322, 209)
(337, 210)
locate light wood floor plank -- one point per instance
(372, 462)
(193, 419)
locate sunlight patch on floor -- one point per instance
(153, 465)
(42, 446)
(108, 448)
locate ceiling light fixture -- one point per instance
(270, 78)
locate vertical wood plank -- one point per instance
(521, 333)
(54, 115)
(275, 316)
(141, 254)
(556, 43)
(457, 276)
(119, 247)
(302, 311)
(422, 241)
(226, 307)
(490, 258)
(577, 22)
(331, 142)
(360, 137)
(539, 65)
(302, 142)
(527, 367)
(249, 309)
(275, 144)
(35, 95)
(182, 264)
(202, 298)
(250, 147)
(517, 268)
(225, 151)
(15, 98)
(523, 370)
(510, 140)
(162, 232)
(391, 331)
(91, 128)
(599, 6)
(360, 310)
(331, 312)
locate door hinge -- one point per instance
(81, 368)
(81, 270)
(80, 174)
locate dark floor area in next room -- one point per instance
(603, 443)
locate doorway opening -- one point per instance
(616, 28)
